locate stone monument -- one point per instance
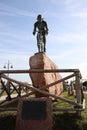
(34, 114)
(42, 61)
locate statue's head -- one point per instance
(39, 17)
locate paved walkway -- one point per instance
(12, 96)
(85, 92)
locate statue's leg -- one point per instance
(39, 50)
(42, 47)
(44, 41)
(38, 45)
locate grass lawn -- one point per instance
(61, 120)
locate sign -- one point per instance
(34, 110)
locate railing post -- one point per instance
(78, 90)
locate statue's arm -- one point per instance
(46, 26)
(34, 31)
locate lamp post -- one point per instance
(8, 65)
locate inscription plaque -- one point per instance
(34, 110)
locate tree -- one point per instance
(84, 83)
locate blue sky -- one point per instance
(66, 41)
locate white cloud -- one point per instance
(80, 14)
(76, 8)
(2, 25)
(12, 11)
(63, 55)
(75, 3)
(82, 67)
(68, 2)
(68, 37)
(16, 35)
(15, 59)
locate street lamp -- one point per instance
(8, 65)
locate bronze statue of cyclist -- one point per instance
(40, 26)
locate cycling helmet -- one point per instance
(39, 16)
